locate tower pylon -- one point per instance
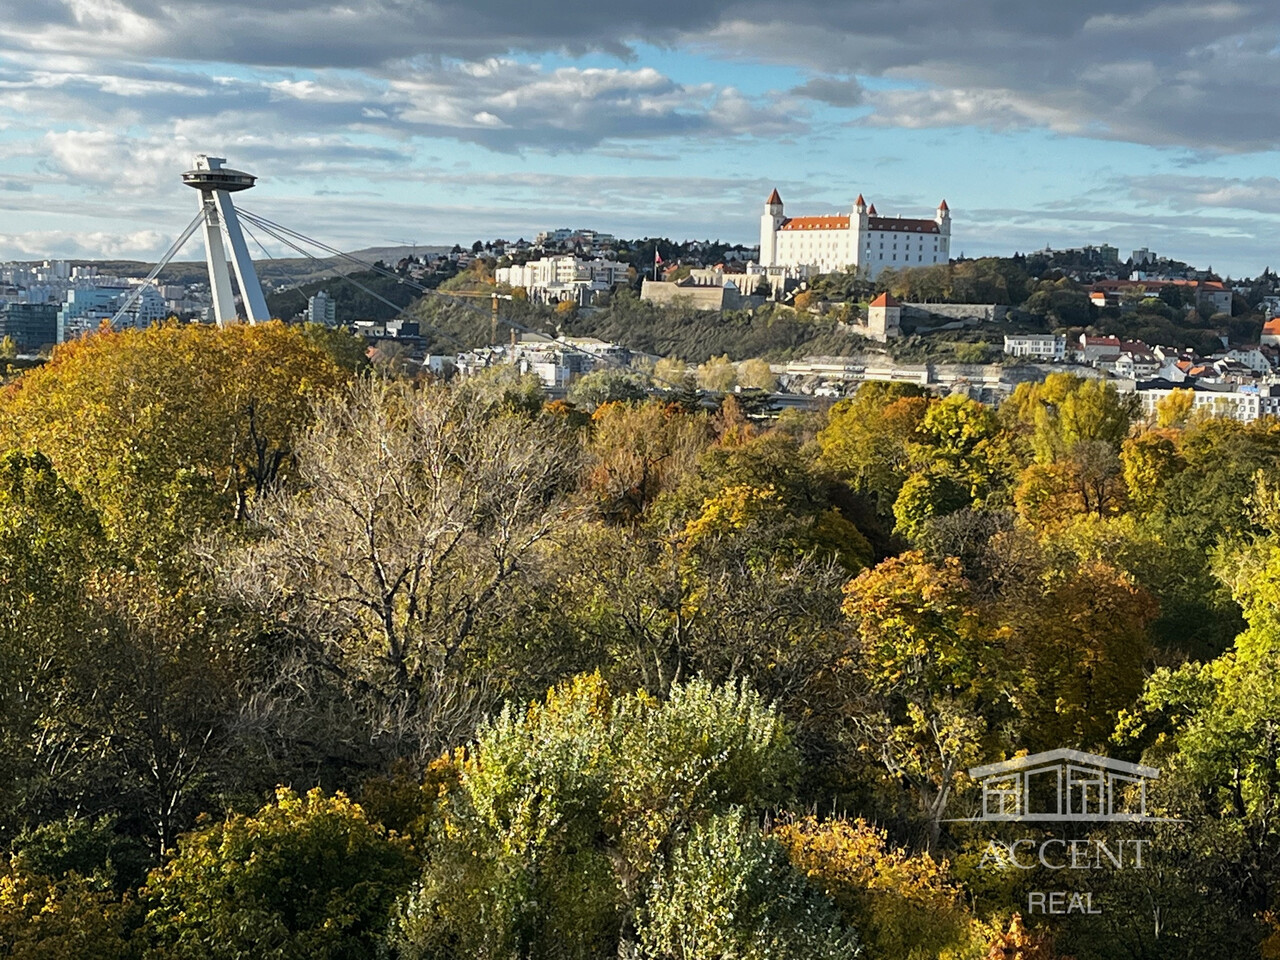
(216, 183)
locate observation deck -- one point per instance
(221, 178)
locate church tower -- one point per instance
(770, 223)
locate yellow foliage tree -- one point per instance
(1175, 410)
(904, 906)
(718, 374)
(755, 374)
(46, 919)
(173, 429)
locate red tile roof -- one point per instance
(774, 197)
(835, 222)
(901, 225)
(1272, 326)
(884, 300)
(943, 206)
(859, 202)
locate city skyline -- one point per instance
(382, 122)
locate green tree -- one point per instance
(306, 876)
(565, 813)
(730, 891)
(603, 386)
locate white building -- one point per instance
(861, 239)
(1039, 346)
(553, 279)
(1245, 405)
(322, 309)
(884, 318)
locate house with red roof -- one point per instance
(1271, 332)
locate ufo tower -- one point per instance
(216, 183)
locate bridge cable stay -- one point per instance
(155, 272)
(287, 242)
(275, 229)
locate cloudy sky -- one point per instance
(428, 121)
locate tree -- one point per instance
(423, 508)
(637, 452)
(730, 892)
(43, 918)
(866, 439)
(567, 812)
(1076, 430)
(960, 458)
(1175, 410)
(672, 373)
(8, 348)
(757, 375)
(306, 876)
(902, 905)
(599, 387)
(718, 375)
(171, 431)
(928, 667)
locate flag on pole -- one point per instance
(657, 259)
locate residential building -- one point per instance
(322, 309)
(1271, 332)
(1245, 404)
(84, 309)
(1038, 346)
(554, 279)
(861, 239)
(32, 326)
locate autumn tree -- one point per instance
(304, 876)
(927, 676)
(718, 375)
(756, 374)
(419, 511)
(903, 905)
(1075, 428)
(171, 430)
(866, 439)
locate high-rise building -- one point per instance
(32, 326)
(322, 309)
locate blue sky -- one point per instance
(1150, 124)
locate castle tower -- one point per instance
(770, 223)
(884, 318)
(943, 218)
(857, 231)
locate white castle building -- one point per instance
(829, 244)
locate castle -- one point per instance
(863, 239)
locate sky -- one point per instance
(1143, 124)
